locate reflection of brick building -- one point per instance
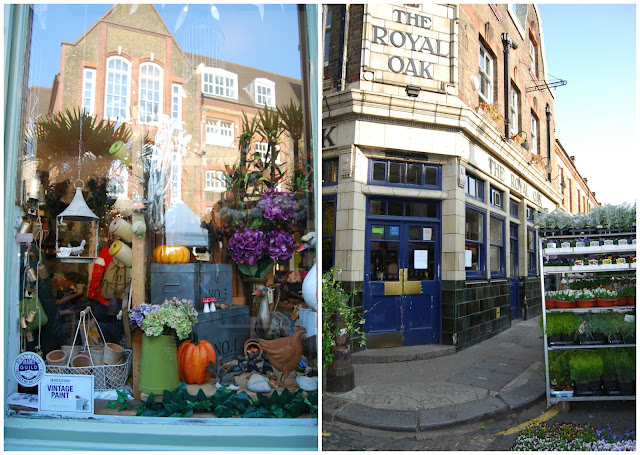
(576, 195)
(128, 67)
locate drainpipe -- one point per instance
(508, 44)
(344, 24)
(547, 110)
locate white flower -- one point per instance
(361, 321)
(343, 332)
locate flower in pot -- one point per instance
(565, 299)
(628, 294)
(586, 371)
(550, 299)
(604, 297)
(585, 298)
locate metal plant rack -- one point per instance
(554, 84)
(631, 248)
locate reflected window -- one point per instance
(219, 83)
(215, 181)
(263, 149)
(219, 132)
(265, 92)
(150, 104)
(176, 101)
(89, 91)
(117, 88)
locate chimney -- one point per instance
(573, 159)
(586, 180)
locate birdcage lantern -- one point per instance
(77, 231)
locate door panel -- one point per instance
(514, 285)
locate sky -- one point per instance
(593, 48)
(263, 37)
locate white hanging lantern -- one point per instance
(82, 242)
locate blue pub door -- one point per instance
(403, 280)
(514, 301)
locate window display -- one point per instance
(151, 224)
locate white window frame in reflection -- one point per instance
(263, 147)
(176, 101)
(265, 92)
(215, 181)
(218, 82)
(150, 93)
(220, 132)
(89, 90)
(176, 176)
(117, 111)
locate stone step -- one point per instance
(402, 354)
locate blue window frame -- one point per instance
(496, 197)
(474, 243)
(530, 213)
(329, 205)
(401, 173)
(532, 257)
(514, 208)
(496, 247)
(330, 172)
(475, 187)
(405, 208)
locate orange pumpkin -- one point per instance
(175, 254)
(193, 359)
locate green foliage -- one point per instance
(339, 318)
(559, 367)
(225, 403)
(121, 400)
(585, 366)
(565, 323)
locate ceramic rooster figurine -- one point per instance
(284, 353)
(270, 324)
(66, 251)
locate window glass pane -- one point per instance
(474, 225)
(332, 171)
(396, 172)
(328, 217)
(496, 230)
(384, 261)
(395, 209)
(430, 175)
(415, 232)
(429, 210)
(327, 253)
(377, 231)
(475, 251)
(377, 208)
(379, 172)
(419, 271)
(414, 174)
(413, 209)
(494, 258)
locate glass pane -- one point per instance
(474, 225)
(429, 210)
(377, 208)
(494, 258)
(414, 174)
(395, 209)
(513, 267)
(476, 254)
(421, 261)
(430, 175)
(327, 253)
(379, 172)
(328, 217)
(415, 232)
(396, 172)
(496, 232)
(332, 172)
(413, 209)
(384, 261)
(377, 231)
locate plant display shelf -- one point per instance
(631, 248)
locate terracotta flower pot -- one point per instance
(586, 303)
(57, 357)
(113, 353)
(564, 304)
(604, 303)
(551, 303)
(81, 360)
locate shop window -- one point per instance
(496, 197)
(219, 132)
(398, 173)
(330, 172)
(150, 102)
(530, 213)
(534, 134)
(486, 75)
(411, 208)
(219, 82)
(116, 106)
(532, 57)
(215, 181)
(474, 243)
(176, 101)
(328, 232)
(514, 208)
(496, 247)
(532, 257)
(89, 91)
(475, 187)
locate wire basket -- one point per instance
(105, 377)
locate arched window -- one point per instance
(150, 101)
(118, 82)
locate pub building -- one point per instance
(437, 133)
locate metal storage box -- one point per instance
(227, 330)
(194, 281)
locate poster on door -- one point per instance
(66, 394)
(426, 233)
(421, 260)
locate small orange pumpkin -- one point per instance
(193, 358)
(171, 254)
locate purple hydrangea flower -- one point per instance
(278, 205)
(247, 245)
(280, 245)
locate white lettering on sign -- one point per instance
(516, 182)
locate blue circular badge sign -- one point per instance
(29, 369)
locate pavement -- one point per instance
(421, 388)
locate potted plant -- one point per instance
(565, 299)
(593, 328)
(160, 325)
(586, 371)
(340, 320)
(604, 297)
(562, 328)
(609, 381)
(550, 299)
(625, 370)
(628, 294)
(585, 298)
(559, 375)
